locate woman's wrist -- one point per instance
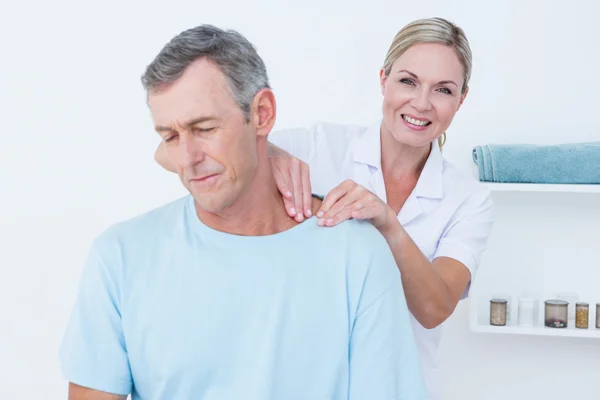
(392, 231)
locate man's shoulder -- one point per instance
(370, 265)
(151, 224)
(369, 248)
(362, 238)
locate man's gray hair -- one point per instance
(229, 50)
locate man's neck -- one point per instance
(259, 211)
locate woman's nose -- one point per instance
(421, 100)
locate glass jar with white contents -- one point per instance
(498, 312)
(527, 311)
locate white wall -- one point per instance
(77, 144)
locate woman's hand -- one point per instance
(161, 157)
(292, 177)
(351, 200)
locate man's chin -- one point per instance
(209, 202)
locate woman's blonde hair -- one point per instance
(432, 30)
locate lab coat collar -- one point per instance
(367, 149)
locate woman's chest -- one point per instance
(424, 218)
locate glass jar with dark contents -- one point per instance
(556, 313)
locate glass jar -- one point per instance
(598, 315)
(556, 313)
(581, 315)
(498, 311)
(571, 298)
(527, 311)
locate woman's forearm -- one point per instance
(427, 294)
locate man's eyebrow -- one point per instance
(439, 83)
(194, 121)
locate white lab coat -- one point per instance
(448, 213)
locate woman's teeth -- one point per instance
(415, 121)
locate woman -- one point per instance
(435, 220)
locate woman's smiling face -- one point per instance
(422, 93)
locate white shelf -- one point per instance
(541, 187)
(591, 332)
(479, 320)
(542, 249)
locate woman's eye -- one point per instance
(445, 90)
(407, 81)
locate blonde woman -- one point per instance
(436, 220)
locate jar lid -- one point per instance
(556, 302)
(581, 304)
(498, 301)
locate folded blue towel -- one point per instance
(570, 163)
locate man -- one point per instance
(221, 295)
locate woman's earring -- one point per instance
(442, 140)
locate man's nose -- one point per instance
(190, 150)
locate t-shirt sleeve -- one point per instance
(384, 359)
(299, 142)
(468, 232)
(93, 352)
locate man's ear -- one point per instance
(264, 111)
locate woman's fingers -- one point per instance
(348, 201)
(283, 181)
(354, 211)
(292, 178)
(306, 189)
(342, 215)
(356, 197)
(365, 212)
(352, 198)
(334, 195)
(296, 175)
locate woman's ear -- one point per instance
(463, 96)
(382, 79)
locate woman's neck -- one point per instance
(399, 160)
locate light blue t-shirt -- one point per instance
(171, 309)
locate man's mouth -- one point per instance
(202, 178)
